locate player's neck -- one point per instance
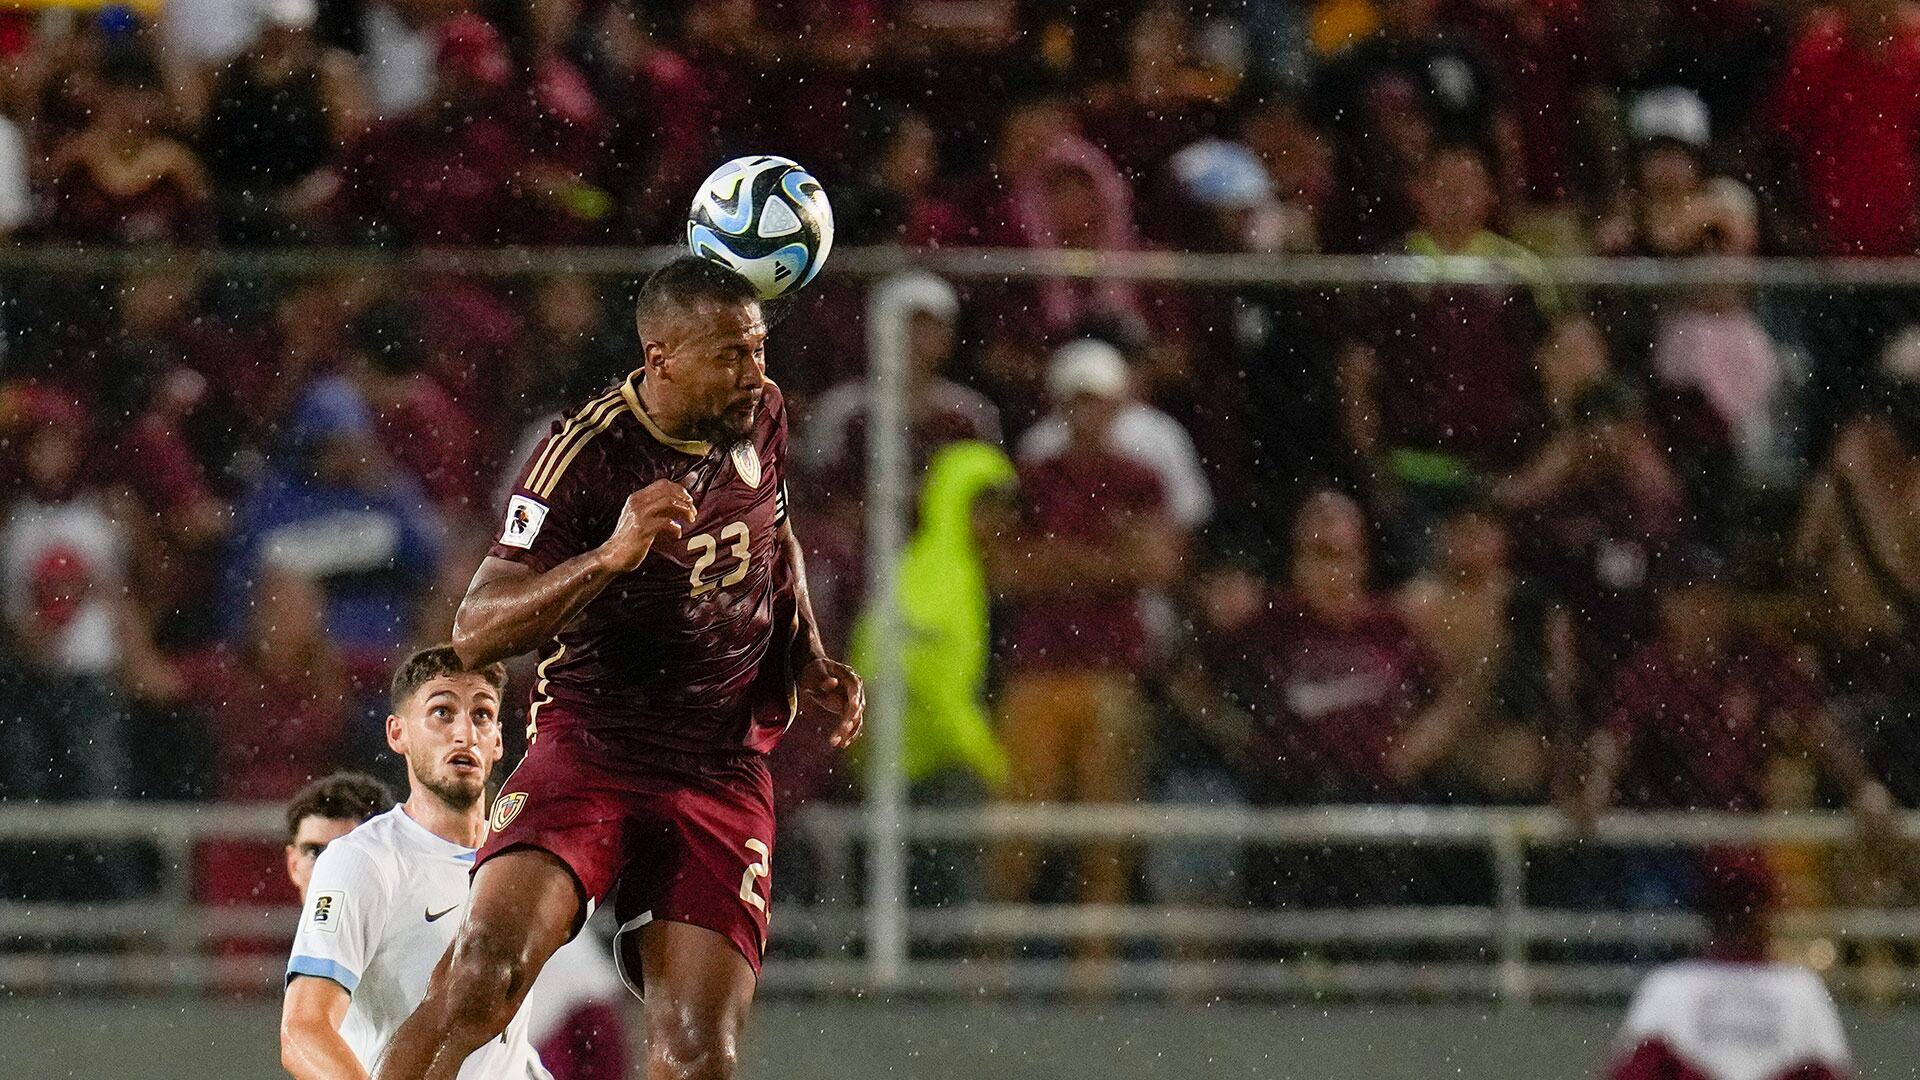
(453, 824)
(664, 416)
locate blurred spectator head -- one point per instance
(1611, 415)
(934, 331)
(131, 104)
(1898, 386)
(1454, 192)
(1696, 598)
(471, 61)
(387, 339)
(332, 431)
(567, 308)
(51, 428)
(1231, 188)
(1088, 381)
(1474, 545)
(1671, 132)
(1074, 203)
(1230, 594)
(324, 811)
(150, 301)
(1736, 895)
(1034, 123)
(1407, 20)
(383, 352)
(287, 632)
(1159, 40)
(1329, 569)
(284, 22)
(1272, 122)
(903, 150)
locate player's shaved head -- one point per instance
(703, 337)
(682, 287)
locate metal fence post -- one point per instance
(1510, 911)
(889, 314)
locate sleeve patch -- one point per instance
(324, 916)
(524, 517)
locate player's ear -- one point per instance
(653, 358)
(396, 734)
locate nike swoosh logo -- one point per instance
(433, 915)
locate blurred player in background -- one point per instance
(324, 811)
(375, 916)
(1732, 1014)
(646, 547)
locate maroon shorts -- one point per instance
(687, 838)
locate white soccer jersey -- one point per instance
(384, 904)
(1739, 1021)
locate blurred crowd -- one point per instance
(1266, 546)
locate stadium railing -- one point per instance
(878, 941)
(162, 942)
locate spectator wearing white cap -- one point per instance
(1139, 432)
(1706, 347)
(940, 409)
(1239, 209)
(1673, 205)
(1094, 538)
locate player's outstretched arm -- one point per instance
(310, 1044)
(511, 608)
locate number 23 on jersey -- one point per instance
(707, 547)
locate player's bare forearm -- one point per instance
(807, 644)
(510, 609)
(826, 682)
(310, 1044)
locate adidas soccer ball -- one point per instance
(766, 218)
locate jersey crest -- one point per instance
(506, 808)
(746, 462)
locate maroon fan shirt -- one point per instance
(691, 651)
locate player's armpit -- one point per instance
(310, 1044)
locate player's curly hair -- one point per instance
(686, 281)
(431, 663)
(341, 796)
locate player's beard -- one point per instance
(460, 793)
(727, 430)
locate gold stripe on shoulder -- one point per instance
(601, 423)
(556, 446)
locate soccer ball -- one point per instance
(766, 218)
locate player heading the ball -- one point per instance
(646, 551)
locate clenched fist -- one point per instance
(661, 508)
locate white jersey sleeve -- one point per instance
(345, 913)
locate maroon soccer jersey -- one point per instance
(689, 652)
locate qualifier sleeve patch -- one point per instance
(524, 518)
